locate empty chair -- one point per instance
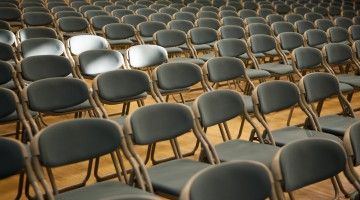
(274, 18)
(35, 9)
(289, 41)
(72, 26)
(36, 32)
(312, 16)
(8, 76)
(7, 37)
(287, 95)
(8, 54)
(236, 5)
(231, 31)
(111, 8)
(334, 11)
(103, 3)
(124, 3)
(61, 14)
(8, 5)
(207, 14)
(62, 8)
(98, 22)
(343, 22)
(227, 13)
(208, 23)
(204, 185)
(354, 32)
(120, 36)
(282, 27)
(323, 24)
(84, 8)
(315, 38)
(253, 20)
(282, 9)
(103, 138)
(327, 159)
(293, 18)
(177, 5)
(251, 5)
(5, 25)
(227, 7)
(351, 142)
(319, 86)
(119, 13)
(302, 10)
(145, 11)
(188, 16)
(16, 159)
(338, 35)
(182, 25)
(245, 13)
(160, 17)
(202, 41)
(41, 46)
(27, 4)
(146, 31)
(133, 20)
(258, 28)
(11, 15)
(321, 10)
(155, 55)
(168, 10)
(237, 21)
(195, 5)
(303, 25)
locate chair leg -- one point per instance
(341, 186)
(336, 187)
(20, 186)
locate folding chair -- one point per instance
(323, 24)
(120, 36)
(202, 40)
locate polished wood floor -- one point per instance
(74, 173)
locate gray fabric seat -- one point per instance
(336, 124)
(82, 106)
(276, 68)
(349, 79)
(344, 87)
(14, 116)
(180, 172)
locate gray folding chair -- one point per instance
(293, 18)
(182, 25)
(145, 11)
(160, 17)
(315, 38)
(245, 13)
(258, 28)
(168, 10)
(38, 19)
(12, 16)
(236, 21)
(302, 26)
(272, 18)
(207, 14)
(313, 16)
(245, 179)
(103, 138)
(98, 22)
(264, 12)
(146, 31)
(71, 26)
(343, 22)
(289, 41)
(338, 35)
(120, 36)
(208, 23)
(8, 37)
(323, 24)
(119, 13)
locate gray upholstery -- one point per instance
(72, 24)
(338, 35)
(268, 94)
(7, 103)
(202, 35)
(290, 41)
(36, 32)
(237, 21)
(155, 55)
(309, 161)
(334, 11)
(120, 85)
(303, 25)
(77, 45)
(350, 79)
(245, 13)
(210, 8)
(227, 13)
(307, 58)
(181, 25)
(62, 14)
(147, 29)
(42, 46)
(94, 62)
(103, 3)
(321, 10)
(231, 47)
(208, 22)
(109, 190)
(293, 18)
(7, 37)
(93, 13)
(159, 122)
(172, 76)
(144, 2)
(170, 38)
(98, 22)
(207, 14)
(356, 46)
(85, 8)
(354, 142)
(323, 24)
(110, 8)
(58, 142)
(248, 180)
(6, 53)
(6, 72)
(252, 20)
(62, 8)
(35, 9)
(37, 18)
(301, 10)
(10, 14)
(160, 17)
(133, 19)
(192, 10)
(119, 13)
(258, 28)
(261, 43)
(178, 172)
(354, 31)
(281, 27)
(282, 9)
(119, 31)
(312, 16)
(272, 18)
(336, 124)
(232, 31)
(188, 16)
(157, 6)
(319, 86)
(53, 94)
(225, 69)
(264, 12)
(168, 10)
(337, 53)
(11, 157)
(197, 61)
(257, 73)
(315, 37)
(343, 22)
(145, 11)
(5, 25)
(44, 66)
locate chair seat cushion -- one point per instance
(147, 39)
(257, 73)
(249, 105)
(292, 133)
(206, 57)
(187, 60)
(9, 85)
(119, 119)
(350, 79)
(345, 88)
(121, 42)
(174, 49)
(202, 46)
(14, 117)
(246, 56)
(170, 177)
(101, 190)
(277, 68)
(336, 124)
(246, 150)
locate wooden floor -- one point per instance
(73, 174)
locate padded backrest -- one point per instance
(63, 143)
(11, 157)
(272, 18)
(236, 21)
(145, 11)
(225, 69)
(207, 14)
(37, 18)
(219, 106)
(53, 94)
(227, 13)
(258, 28)
(98, 22)
(120, 85)
(319, 86)
(147, 29)
(6, 72)
(202, 35)
(356, 46)
(252, 20)
(338, 34)
(42, 46)
(62, 8)
(62, 14)
(315, 37)
(160, 17)
(35, 68)
(7, 37)
(185, 16)
(245, 179)
(232, 31)
(290, 40)
(119, 13)
(10, 14)
(282, 27)
(77, 45)
(261, 43)
(245, 13)
(6, 53)
(155, 55)
(312, 16)
(275, 96)
(5, 25)
(118, 31)
(36, 32)
(72, 24)
(304, 162)
(159, 122)
(303, 25)
(354, 135)
(293, 18)
(323, 24)
(172, 76)
(307, 58)
(337, 53)
(208, 22)
(354, 31)
(170, 38)
(7, 103)
(133, 20)
(168, 10)
(181, 25)
(94, 62)
(343, 22)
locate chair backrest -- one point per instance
(232, 31)
(354, 32)
(351, 143)
(98, 22)
(261, 43)
(192, 10)
(292, 18)
(208, 22)
(336, 53)
(37, 19)
(207, 14)
(143, 56)
(253, 20)
(145, 11)
(290, 40)
(258, 28)
(303, 25)
(12, 154)
(236, 21)
(8, 104)
(273, 96)
(118, 31)
(76, 44)
(133, 19)
(301, 10)
(202, 35)
(7, 37)
(160, 17)
(338, 34)
(168, 10)
(282, 27)
(111, 8)
(62, 14)
(343, 22)
(85, 8)
(158, 122)
(41, 46)
(245, 13)
(307, 58)
(7, 53)
(227, 13)
(334, 11)
(119, 13)
(147, 29)
(57, 9)
(264, 12)
(315, 37)
(73, 24)
(182, 25)
(282, 9)
(245, 179)
(323, 24)
(5, 25)
(170, 38)
(182, 15)
(304, 162)
(312, 16)
(36, 32)
(10, 14)
(272, 18)
(93, 13)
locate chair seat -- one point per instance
(9, 85)
(184, 46)
(101, 190)
(202, 46)
(336, 124)
(174, 49)
(245, 150)
(345, 88)
(14, 117)
(350, 79)
(257, 73)
(187, 60)
(246, 56)
(206, 57)
(119, 119)
(320, 46)
(274, 52)
(81, 107)
(121, 42)
(292, 133)
(277, 68)
(170, 177)
(249, 105)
